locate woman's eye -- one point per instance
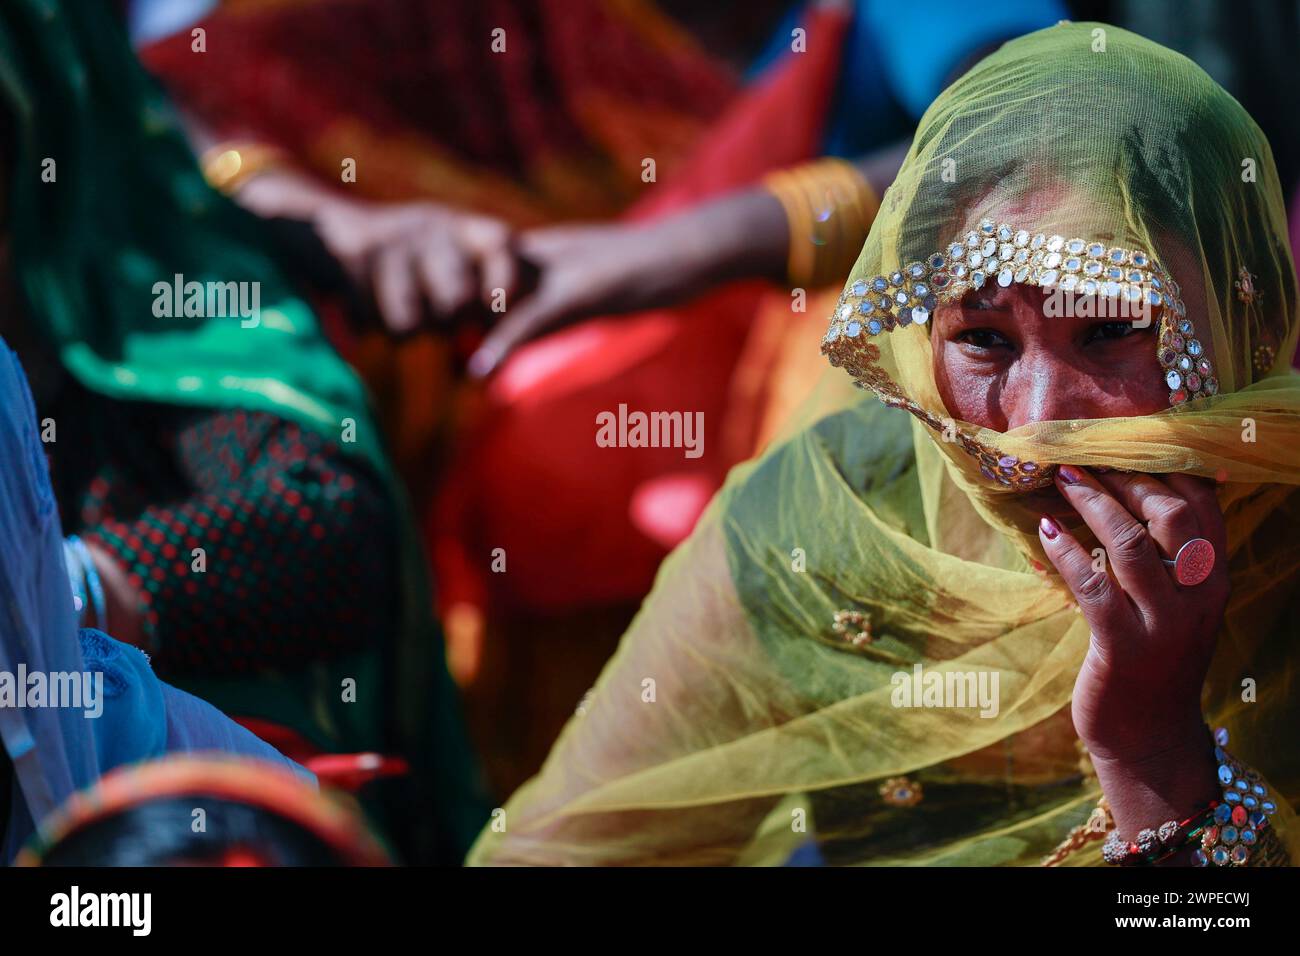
(1111, 330)
(984, 339)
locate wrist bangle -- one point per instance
(228, 166)
(1224, 833)
(1155, 846)
(829, 207)
(76, 579)
(1241, 820)
(94, 586)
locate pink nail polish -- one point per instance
(1068, 475)
(1049, 528)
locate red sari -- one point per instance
(583, 525)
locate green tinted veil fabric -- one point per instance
(736, 723)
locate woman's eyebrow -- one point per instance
(983, 300)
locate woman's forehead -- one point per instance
(1051, 207)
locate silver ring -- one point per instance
(1193, 562)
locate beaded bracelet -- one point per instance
(1155, 846)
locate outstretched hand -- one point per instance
(591, 270)
(420, 259)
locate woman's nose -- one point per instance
(1048, 391)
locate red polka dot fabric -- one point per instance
(253, 543)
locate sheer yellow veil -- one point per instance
(754, 703)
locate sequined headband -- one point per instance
(1004, 254)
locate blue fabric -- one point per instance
(921, 45)
(867, 112)
(808, 854)
(51, 748)
(145, 718)
(58, 750)
(150, 20)
(899, 56)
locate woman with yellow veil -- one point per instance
(996, 631)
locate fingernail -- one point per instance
(1102, 469)
(1037, 565)
(1049, 528)
(1069, 476)
(480, 364)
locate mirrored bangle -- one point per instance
(1242, 818)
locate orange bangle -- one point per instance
(829, 207)
(227, 166)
